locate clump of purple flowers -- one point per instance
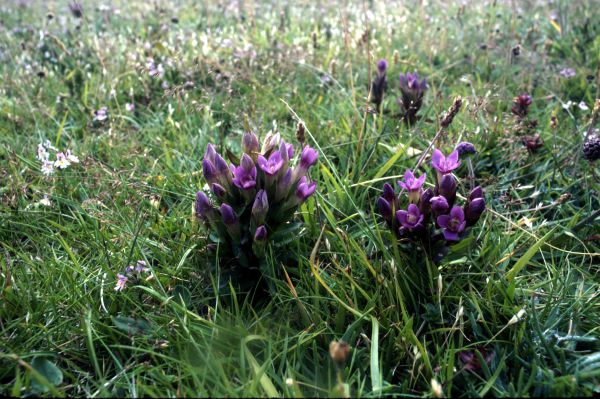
(412, 95)
(432, 214)
(250, 201)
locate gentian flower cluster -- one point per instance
(379, 85)
(430, 210)
(412, 95)
(251, 200)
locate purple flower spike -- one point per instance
(260, 207)
(442, 164)
(382, 66)
(388, 193)
(305, 189)
(228, 214)
(410, 219)
(308, 157)
(465, 148)
(453, 224)
(272, 166)
(385, 209)
(439, 204)
(260, 234)
(245, 174)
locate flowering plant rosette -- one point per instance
(248, 203)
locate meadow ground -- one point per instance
(135, 90)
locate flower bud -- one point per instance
(308, 157)
(271, 143)
(260, 234)
(305, 189)
(382, 66)
(477, 192)
(210, 152)
(473, 210)
(447, 188)
(424, 203)
(209, 171)
(202, 207)
(260, 207)
(250, 143)
(388, 193)
(218, 190)
(228, 215)
(283, 186)
(439, 205)
(385, 209)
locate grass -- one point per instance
(524, 285)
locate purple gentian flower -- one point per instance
(412, 185)
(260, 234)
(411, 219)
(410, 82)
(382, 66)
(442, 164)
(308, 157)
(210, 153)
(477, 192)
(209, 171)
(245, 174)
(453, 224)
(424, 202)
(283, 185)
(447, 188)
(202, 207)
(388, 193)
(412, 95)
(379, 85)
(221, 165)
(272, 166)
(465, 148)
(228, 214)
(305, 189)
(475, 206)
(218, 190)
(385, 209)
